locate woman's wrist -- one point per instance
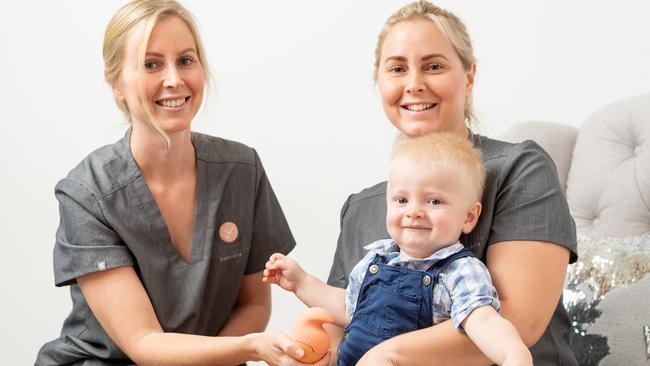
(250, 345)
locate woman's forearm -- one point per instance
(162, 349)
(439, 345)
(245, 319)
(252, 310)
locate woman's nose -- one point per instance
(173, 78)
(414, 83)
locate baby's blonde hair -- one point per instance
(449, 150)
(149, 11)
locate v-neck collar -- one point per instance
(150, 210)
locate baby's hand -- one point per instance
(284, 272)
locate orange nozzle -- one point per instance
(308, 332)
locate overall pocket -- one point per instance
(389, 308)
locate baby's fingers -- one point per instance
(269, 275)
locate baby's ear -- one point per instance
(472, 217)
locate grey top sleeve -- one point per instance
(522, 200)
(363, 221)
(338, 277)
(271, 231)
(84, 242)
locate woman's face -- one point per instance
(173, 77)
(421, 80)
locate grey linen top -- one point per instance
(109, 219)
(522, 201)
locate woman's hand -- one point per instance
(278, 349)
(284, 272)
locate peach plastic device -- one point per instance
(308, 332)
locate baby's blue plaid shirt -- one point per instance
(462, 286)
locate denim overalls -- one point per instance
(392, 300)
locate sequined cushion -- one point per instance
(607, 296)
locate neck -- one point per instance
(411, 255)
(157, 161)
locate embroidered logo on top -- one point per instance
(228, 232)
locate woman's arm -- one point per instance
(528, 276)
(252, 310)
(121, 305)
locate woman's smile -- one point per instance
(173, 103)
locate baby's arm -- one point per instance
(287, 273)
(496, 337)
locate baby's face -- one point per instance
(428, 207)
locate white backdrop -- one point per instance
(293, 80)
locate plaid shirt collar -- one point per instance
(388, 248)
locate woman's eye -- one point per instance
(435, 201)
(434, 67)
(150, 65)
(396, 69)
(186, 61)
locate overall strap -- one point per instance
(381, 258)
(439, 265)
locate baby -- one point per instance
(422, 275)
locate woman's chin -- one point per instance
(174, 126)
(417, 128)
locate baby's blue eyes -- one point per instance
(431, 201)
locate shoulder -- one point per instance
(358, 271)
(497, 150)
(505, 161)
(368, 196)
(217, 150)
(466, 275)
(464, 266)
(103, 171)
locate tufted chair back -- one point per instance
(604, 167)
(608, 186)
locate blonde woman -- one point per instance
(164, 234)
(425, 71)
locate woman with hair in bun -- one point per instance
(424, 72)
(164, 234)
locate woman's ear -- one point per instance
(472, 217)
(471, 75)
(118, 93)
